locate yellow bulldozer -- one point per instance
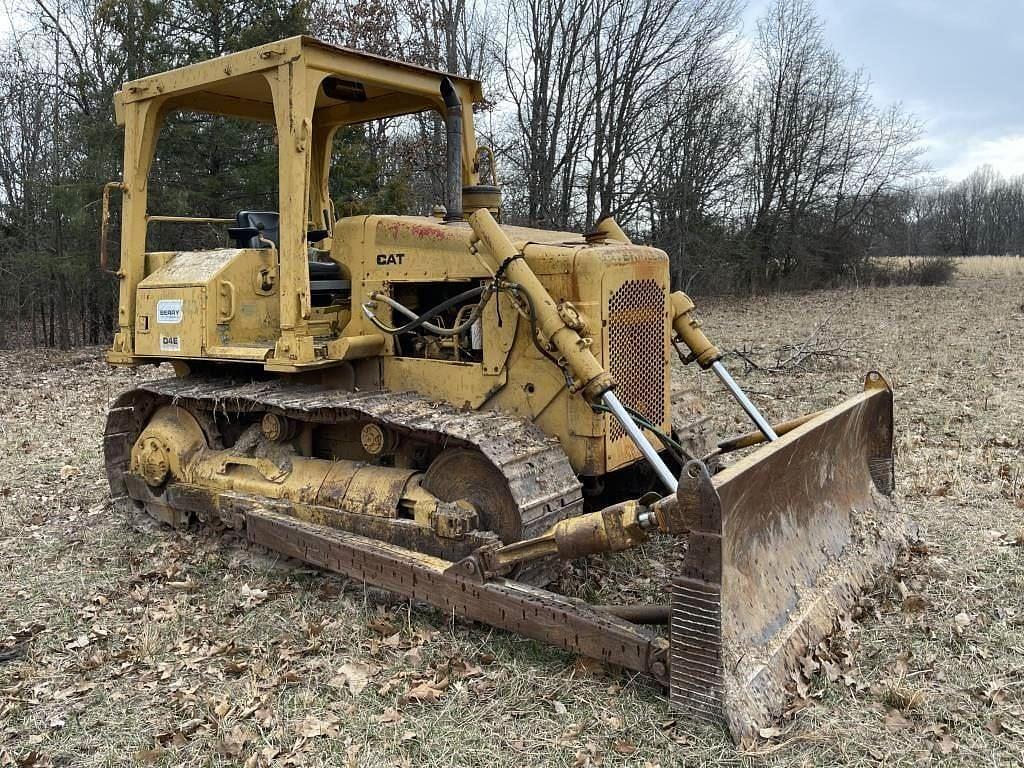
(447, 407)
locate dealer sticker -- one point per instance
(168, 312)
(170, 343)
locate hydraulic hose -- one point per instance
(435, 329)
(420, 320)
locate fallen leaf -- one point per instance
(624, 747)
(252, 596)
(389, 715)
(770, 733)
(383, 626)
(463, 668)
(81, 641)
(810, 666)
(571, 733)
(314, 726)
(995, 694)
(269, 752)
(994, 725)
(914, 603)
(611, 722)
(895, 721)
(264, 717)
(585, 665)
(355, 675)
(150, 756)
(961, 621)
(946, 744)
(903, 663)
(233, 742)
(831, 670)
(423, 693)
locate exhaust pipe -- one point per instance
(453, 133)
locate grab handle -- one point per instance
(105, 221)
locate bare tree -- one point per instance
(636, 55)
(692, 160)
(821, 157)
(543, 57)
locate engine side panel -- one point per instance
(619, 290)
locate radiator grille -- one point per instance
(636, 349)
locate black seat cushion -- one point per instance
(324, 270)
(324, 276)
(269, 222)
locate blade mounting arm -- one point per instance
(613, 529)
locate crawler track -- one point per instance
(538, 473)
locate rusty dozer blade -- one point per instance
(781, 544)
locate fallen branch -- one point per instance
(823, 344)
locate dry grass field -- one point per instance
(990, 266)
(969, 266)
(123, 642)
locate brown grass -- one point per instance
(990, 266)
(132, 643)
(972, 266)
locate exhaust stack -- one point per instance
(453, 134)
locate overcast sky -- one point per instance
(956, 64)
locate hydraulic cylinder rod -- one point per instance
(591, 377)
(594, 381)
(641, 441)
(755, 415)
(707, 355)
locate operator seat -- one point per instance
(269, 222)
(325, 283)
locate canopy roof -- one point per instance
(350, 86)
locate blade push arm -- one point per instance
(613, 529)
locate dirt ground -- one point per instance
(123, 642)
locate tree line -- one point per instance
(982, 214)
(756, 158)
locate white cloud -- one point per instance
(1004, 153)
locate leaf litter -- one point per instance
(218, 650)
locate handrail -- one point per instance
(191, 219)
(105, 220)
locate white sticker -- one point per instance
(168, 311)
(170, 343)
